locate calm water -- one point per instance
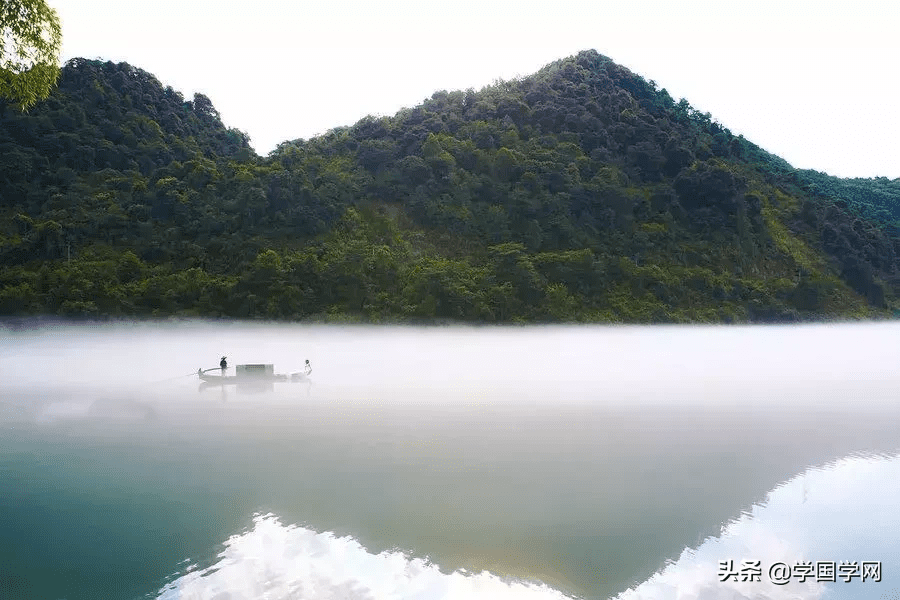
(544, 463)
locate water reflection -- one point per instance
(845, 512)
(840, 514)
(582, 458)
(287, 562)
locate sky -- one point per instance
(814, 82)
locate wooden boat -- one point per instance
(253, 374)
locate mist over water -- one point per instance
(535, 462)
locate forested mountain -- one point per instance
(877, 199)
(582, 192)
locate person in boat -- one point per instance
(223, 364)
(308, 368)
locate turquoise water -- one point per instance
(581, 462)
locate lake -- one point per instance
(636, 463)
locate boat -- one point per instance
(252, 375)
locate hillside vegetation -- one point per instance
(580, 193)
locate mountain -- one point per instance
(580, 193)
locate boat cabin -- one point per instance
(251, 371)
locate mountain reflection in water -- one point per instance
(445, 462)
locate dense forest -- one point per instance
(580, 193)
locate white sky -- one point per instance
(815, 82)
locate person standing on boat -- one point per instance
(223, 364)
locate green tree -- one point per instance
(30, 38)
